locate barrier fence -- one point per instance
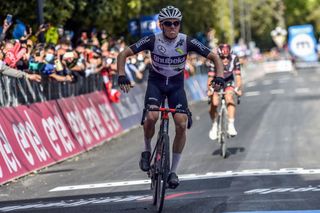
(57, 127)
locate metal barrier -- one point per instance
(19, 91)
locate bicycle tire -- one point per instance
(154, 184)
(223, 134)
(163, 172)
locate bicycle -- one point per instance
(222, 122)
(160, 168)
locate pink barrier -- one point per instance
(45, 133)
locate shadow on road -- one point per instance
(230, 151)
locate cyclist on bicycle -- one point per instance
(166, 78)
(233, 84)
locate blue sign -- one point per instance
(134, 27)
(302, 42)
(149, 25)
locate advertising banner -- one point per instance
(45, 133)
(302, 42)
(129, 110)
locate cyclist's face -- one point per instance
(170, 28)
(225, 59)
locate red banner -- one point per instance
(45, 133)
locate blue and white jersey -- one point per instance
(169, 56)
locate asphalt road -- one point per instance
(272, 165)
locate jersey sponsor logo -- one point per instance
(179, 50)
(169, 60)
(198, 44)
(142, 42)
(179, 43)
(161, 48)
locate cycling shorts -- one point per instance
(160, 87)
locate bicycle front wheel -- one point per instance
(223, 134)
(163, 172)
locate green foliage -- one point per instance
(261, 16)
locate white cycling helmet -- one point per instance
(170, 12)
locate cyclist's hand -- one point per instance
(124, 83)
(238, 91)
(219, 83)
(210, 91)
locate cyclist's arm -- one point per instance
(121, 60)
(237, 73)
(217, 63)
(198, 47)
(211, 75)
(146, 43)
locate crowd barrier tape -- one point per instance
(33, 137)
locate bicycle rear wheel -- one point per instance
(163, 172)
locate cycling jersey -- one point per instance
(169, 56)
(168, 59)
(232, 68)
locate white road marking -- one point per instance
(302, 90)
(283, 80)
(267, 82)
(314, 79)
(74, 202)
(251, 84)
(276, 91)
(185, 177)
(278, 190)
(253, 93)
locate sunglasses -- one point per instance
(224, 57)
(169, 23)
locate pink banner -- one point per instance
(45, 133)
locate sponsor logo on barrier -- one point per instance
(94, 121)
(56, 131)
(10, 159)
(28, 138)
(78, 127)
(80, 122)
(109, 118)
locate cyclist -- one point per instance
(233, 83)
(169, 50)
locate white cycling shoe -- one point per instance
(213, 134)
(231, 130)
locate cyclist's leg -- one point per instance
(229, 96)
(153, 99)
(214, 115)
(177, 99)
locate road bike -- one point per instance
(160, 158)
(222, 122)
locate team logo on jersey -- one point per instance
(142, 42)
(198, 44)
(179, 50)
(168, 60)
(161, 49)
(179, 43)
